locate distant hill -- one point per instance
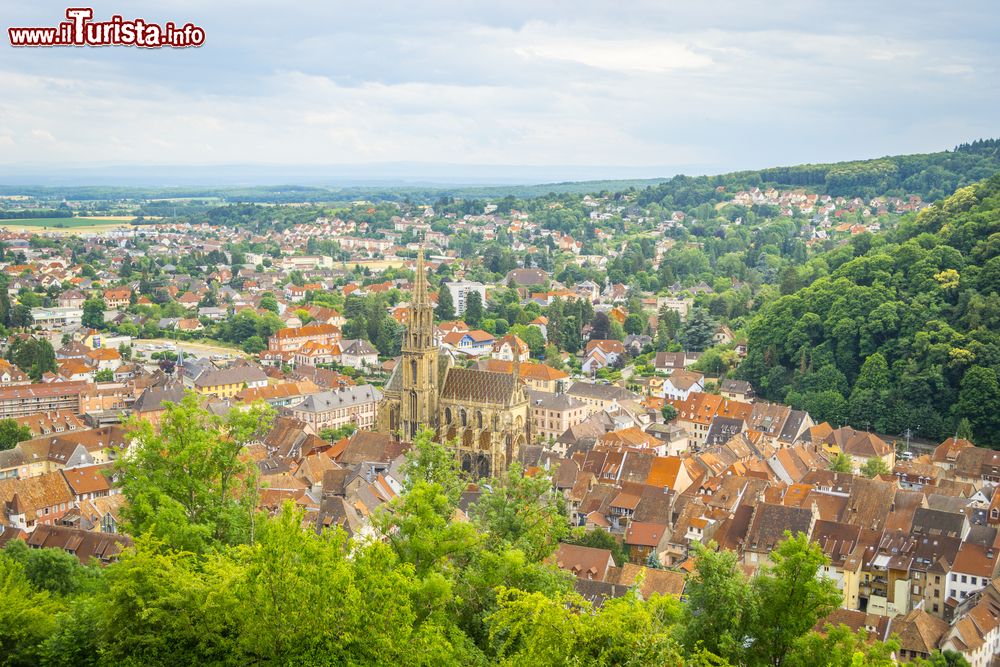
(903, 330)
(930, 175)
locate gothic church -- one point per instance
(484, 416)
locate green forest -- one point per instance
(902, 331)
(212, 582)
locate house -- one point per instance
(509, 347)
(84, 544)
(722, 335)
(474, 342)
(117, 298)
(667, 362)
(736, 390)
(601, 353)
(526, 277)
(32, 501)
(332, 409)
(644, 538)
(553, 414)
(291, 339)
(225, 382)
(583, 562)
(599, 397)
(682, 383)
(356, 353)
(860, 446)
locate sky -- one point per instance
(443, 89)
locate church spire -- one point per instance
(420, 286)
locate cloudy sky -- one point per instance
(625, 88)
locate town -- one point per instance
(605, 344)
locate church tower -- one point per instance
(419, 395)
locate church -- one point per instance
(483, 416)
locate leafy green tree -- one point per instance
(791, 598)
(842, 463)
(93, 313)
(254, 345)
(839, 647)
(600, 327)
(445, 309)
(721, 605)
(27, 616)
(432, 463)
(874, 467)
(669, 413)
(977, 401)
(53, 570)
(946, 658)
(521, 512)
(186, 482)
(634, 324)
(12, 433)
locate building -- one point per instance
(29, 399)
(356, 405)
(56, 318)
(510, 346)
(552, 414)
(356, 353)
(291, 339)
(486, 415)
(538, 377)
(224, 382)
(460, 291)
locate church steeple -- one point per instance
(419, 360)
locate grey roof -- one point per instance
(722, 430)
(153, 398)
(344, 397)
(604, 392)
(550, 401)
(357, 346)
(240, 374)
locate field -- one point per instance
(67, 225)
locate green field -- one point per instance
(64, 223)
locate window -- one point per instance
(965, 579)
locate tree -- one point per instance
(698, 330)
(669, 413)
(977, 401)
(430, 462)
(27, 616)
(874, 467)
(634, 324)
(11, 433)
(445, 309)
(104, 375)
(791, 598)
(473, 308)
(839, 647)
(842, 463)
(600, 327)
(720, 604)
(186, 482)
(93, 313)
(521, 512)
(254, 345)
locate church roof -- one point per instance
(468, 384)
